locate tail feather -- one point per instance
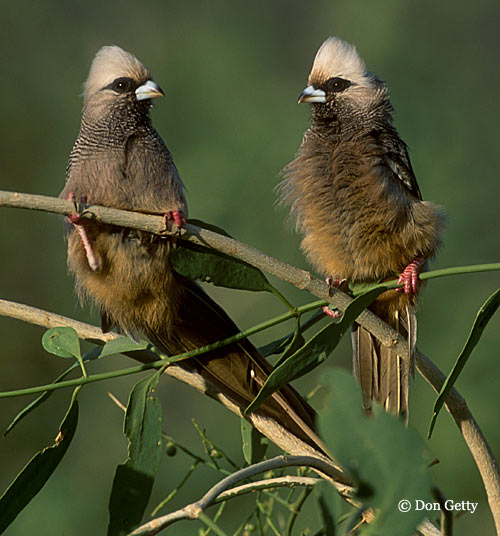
(382, 374)
(237, 370)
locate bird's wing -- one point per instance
(397, 159)
(238, 370)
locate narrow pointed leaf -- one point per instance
(277, 346)
(484, 315)
(38, 470)
(209, 227)
(211, 266)
(134, 479)
(297, 342)
(281, 345)
(314, 351)
(120, 346)
(373, 450)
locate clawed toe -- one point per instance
(80, 207)
(332, 313)
(177, 217)
(409, 277)
(336, 282)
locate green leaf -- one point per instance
(121, 346)
(134, 479)
(384, 458)
(484, 315)
(38, 470)
(63, 342)
(276, 347)
(283, 344)
(314, 351)
(211, 266)
(295, 344)
(254, 444)
(209, 227)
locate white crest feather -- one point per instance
(113, 62)
(336, 58)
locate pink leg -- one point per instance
(409, 276)
(77, 222)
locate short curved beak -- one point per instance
(311, 94)
(149, 90)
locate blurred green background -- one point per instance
(232, 71)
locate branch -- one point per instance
(192, 233)
(302, 279)
(287, 481)
(266, 425)
(193, 510)
(471, 432)
(197, 235)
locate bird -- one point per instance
(120, 161)
(354, 197)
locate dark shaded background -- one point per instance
(232, 71)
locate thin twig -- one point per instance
(287, 481)
(193, 510)
(297, 506)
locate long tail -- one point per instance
(382, 374)
(238, 370)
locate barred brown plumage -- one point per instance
(120, 161)
(355, 198)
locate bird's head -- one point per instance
(119, 81)
(339, 83)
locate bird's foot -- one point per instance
(177, 218)
(334, 282)
(332, 313)
(79, 224)
(409, 276)
(76, 217)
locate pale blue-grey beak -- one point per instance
(311, 94)
(149, 90)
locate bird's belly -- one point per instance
(134, 284)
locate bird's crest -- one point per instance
(336, 58)
(113, 62)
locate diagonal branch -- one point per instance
(197, 235)
(266, 425)
(302, 279)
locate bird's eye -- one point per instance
(337, 84)
(122, 85)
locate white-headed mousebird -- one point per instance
(355, 198)
(120, 161)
